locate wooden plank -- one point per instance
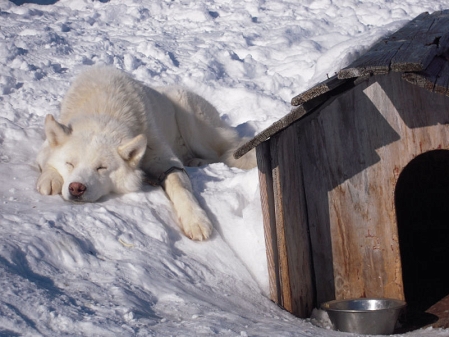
(378, 59)
(315, 167)
(438, 32)
(375, 62)
(297, 279)
(349, 198)
(426, 79)
(284, 276)
(413, 56)
(428, 37)
(252, 143)
(269, 219)
(411, 48)
(317, 90)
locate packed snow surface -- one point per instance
(121, 267)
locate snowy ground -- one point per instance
(121, 267)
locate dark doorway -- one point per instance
(422, 208)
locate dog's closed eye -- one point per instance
(69, 165)
(101, 168)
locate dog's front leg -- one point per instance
(192, 218)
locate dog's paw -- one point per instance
(50, 182)
(197, 227)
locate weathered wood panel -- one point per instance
(411, 48)
(428, 38)
(269, 219)
(283, 270)
(413, 56)
(427, 79)
(334, 176)
(375, 62)
(295, 264)
(344, 198)
(369, 135)
(378, 59)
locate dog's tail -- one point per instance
(246, 162)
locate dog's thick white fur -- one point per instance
(113, 130)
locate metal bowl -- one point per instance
(375, 316)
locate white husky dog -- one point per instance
(113, 130)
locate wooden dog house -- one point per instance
(354, 181)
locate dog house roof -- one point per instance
(419, 50)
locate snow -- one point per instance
(121, 267)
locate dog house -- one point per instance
(354, 181)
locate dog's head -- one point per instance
(94, 162)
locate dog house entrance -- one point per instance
(422, 209)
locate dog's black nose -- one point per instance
(77, 189)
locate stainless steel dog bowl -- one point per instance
(374, 316)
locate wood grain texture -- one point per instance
(295, 225)
(412, 48)
(378, 59)
(269, 219)
(283, 270)
(334, 176)
(295, 261)
(427, 79)
(400, 121)
(374, 62)
(428, 38)
(317, 90)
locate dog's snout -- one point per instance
(77, 189)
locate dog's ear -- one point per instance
(133, 151)
(55, 132)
